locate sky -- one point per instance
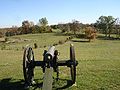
(13, 12)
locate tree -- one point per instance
(117, 27)
(90, 33)
(43, 24)
(43, 21)
(61, 27)
(111, 22)
(35, 29)
(20, 30)
(26, 27)
(75, 26)
(31, 24)
(106, 23)
(1, 34)
(67, 27)
(14, 29)
(54, 26)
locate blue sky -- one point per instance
(13, 12)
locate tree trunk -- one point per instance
(106, 35)
(75, 33)
(109, 36)
(109, 33)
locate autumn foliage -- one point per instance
(90, 33)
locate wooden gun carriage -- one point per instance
(50, 59)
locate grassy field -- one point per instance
(98, 68)
(42, 40)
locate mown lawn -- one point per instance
(98, 68)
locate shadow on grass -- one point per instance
(62, 34)
(37, 85)
(83, 41)
(10, 84)
(107, 38)
(66, 85)
(13, 84)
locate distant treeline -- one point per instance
(105, 24)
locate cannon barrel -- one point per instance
(49, 55)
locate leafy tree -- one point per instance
(67, 27)
(90, 33)
(31, 24)
(117, 27)
(1, 34)
(14, 29)
(106, 23)
(75, 26)
(36, 29)
(54, 26)
(26, 27)
(61, 27)
(49, 29)
(43, 21)
(20, 30)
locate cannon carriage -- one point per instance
(50, 60)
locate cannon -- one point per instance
(50, 60)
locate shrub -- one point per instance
(44, 46)
(90, 33)
(35, 45)
(61, 42)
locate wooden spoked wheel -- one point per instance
(73, 63)
(28, 67)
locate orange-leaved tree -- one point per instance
(90, 33)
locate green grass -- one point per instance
(44, 39)
(98, 68)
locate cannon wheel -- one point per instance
(28, 70)
(73, 61)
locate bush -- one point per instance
(90, 33)
(35, 45)
(61, 42)
(44, 46)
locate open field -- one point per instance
(98, 68)
(42, 40)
